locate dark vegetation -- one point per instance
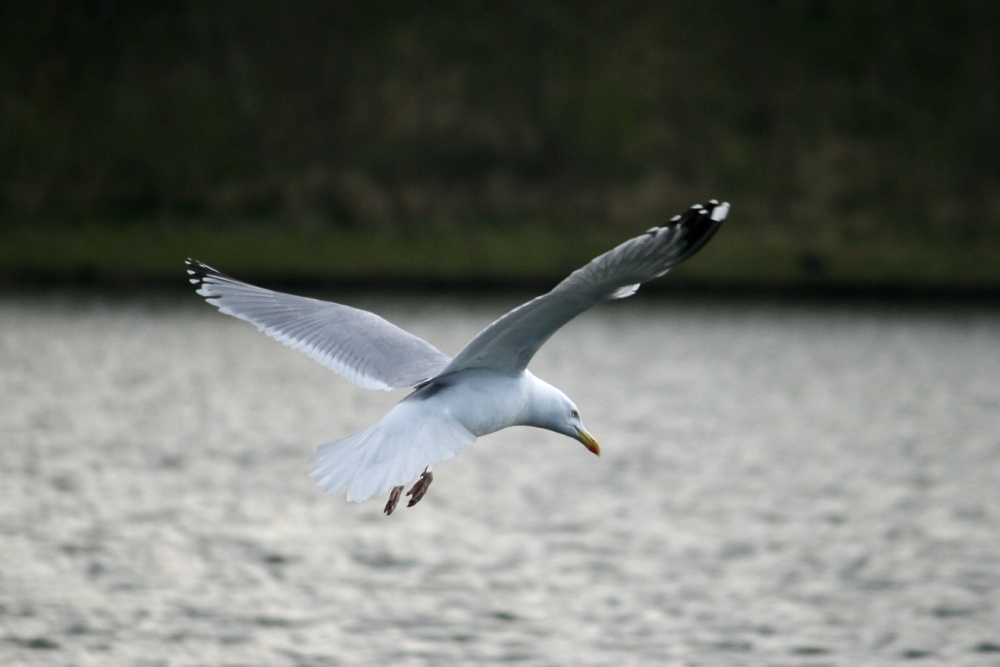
(858, 141)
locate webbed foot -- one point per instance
(420, 488)
(393, 500)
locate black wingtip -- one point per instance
(198, 271)
(700, 223)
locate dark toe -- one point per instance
(420, 488)
(390, 505)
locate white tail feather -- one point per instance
(392, 452)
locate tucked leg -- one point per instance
(393, 500)
(420, 488)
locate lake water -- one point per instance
(780, 485)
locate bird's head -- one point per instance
(556, 412)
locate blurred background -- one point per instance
(465, 141)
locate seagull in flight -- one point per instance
(484, 388)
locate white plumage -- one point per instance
(484, 388)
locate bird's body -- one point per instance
(486, 387)
(429, 426)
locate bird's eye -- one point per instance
(575, 414)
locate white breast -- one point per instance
(482, 401)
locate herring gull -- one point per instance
(454, 400)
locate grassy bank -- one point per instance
(153, 255)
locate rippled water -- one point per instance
(780, 485)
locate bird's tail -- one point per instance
(390, 453)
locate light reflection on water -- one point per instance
(778, 485)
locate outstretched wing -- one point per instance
(509, 343)
(359, 345)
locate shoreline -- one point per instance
(678, 288)
(740, 261)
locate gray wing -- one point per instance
(508, 344)
(359, 345)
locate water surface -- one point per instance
(780, 485)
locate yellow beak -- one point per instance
(588, 441)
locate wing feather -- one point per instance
(359, 345)
(510, 342)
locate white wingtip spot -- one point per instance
(720, 212)
(624, 292)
